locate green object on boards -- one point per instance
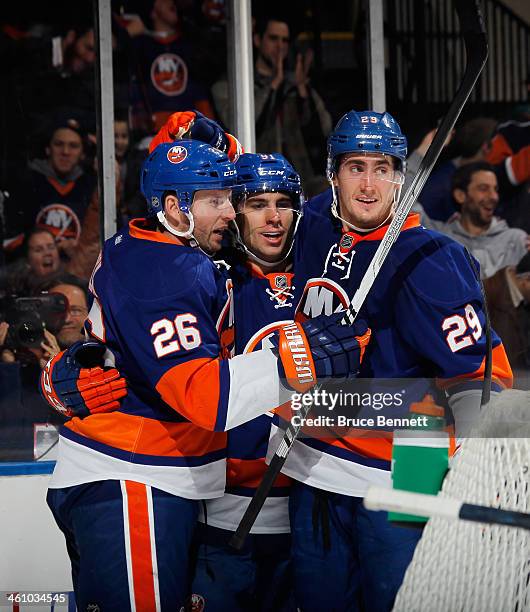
(420, 457)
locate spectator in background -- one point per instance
(472, 142)
(42, 261)
(164, 76)
(132, 203)
(488, 238)
(54, 192)
(510, 153)
(290, 116)
(508, 297)
(75, 290)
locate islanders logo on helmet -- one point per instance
(185, 168)
(369, 132)
(177, 154)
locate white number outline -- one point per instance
(457, 325)
(165, 329)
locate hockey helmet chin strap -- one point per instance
(187, 235)
(262, 262)
(362, 230)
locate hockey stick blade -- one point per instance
(419, 504)
(476, 45)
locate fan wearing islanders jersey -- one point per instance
(126, 486)
(258, 577)
(426, 313)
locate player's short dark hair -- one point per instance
(463, 175)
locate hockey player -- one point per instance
(426, 314)
(126, 484)
(258, 577)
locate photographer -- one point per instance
(36, 329)
(66, 321)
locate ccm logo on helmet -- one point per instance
(177, 154)
(270, 172)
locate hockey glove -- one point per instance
(75, 383)
(196, 126)
(320, 348)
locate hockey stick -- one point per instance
(476, 45)
(392, 500)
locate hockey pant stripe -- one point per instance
(140, 547)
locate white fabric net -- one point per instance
(460, 566)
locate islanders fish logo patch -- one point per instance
(169, 74)
(177, 154)
(60, 220)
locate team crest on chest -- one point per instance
(281, 281)
(281, 289)
(340, 256)
(346, 242)
(321, 296)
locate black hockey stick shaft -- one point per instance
(475, 41)
(442, 506)
(494, 516)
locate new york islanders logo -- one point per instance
(177, 154)
(321, 296)
(60, 220)
(169, 74)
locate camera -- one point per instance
(28, 317)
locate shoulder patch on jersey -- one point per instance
(435, 267)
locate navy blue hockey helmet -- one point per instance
(268, 173)
(184, 167)
(369, 132)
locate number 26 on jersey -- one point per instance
(462, 331)
(172, 336)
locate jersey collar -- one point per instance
(413, 220)
(257, 272)
(138, 230)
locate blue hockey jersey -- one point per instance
(261, 303)
(426, 314)
(161, 307)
